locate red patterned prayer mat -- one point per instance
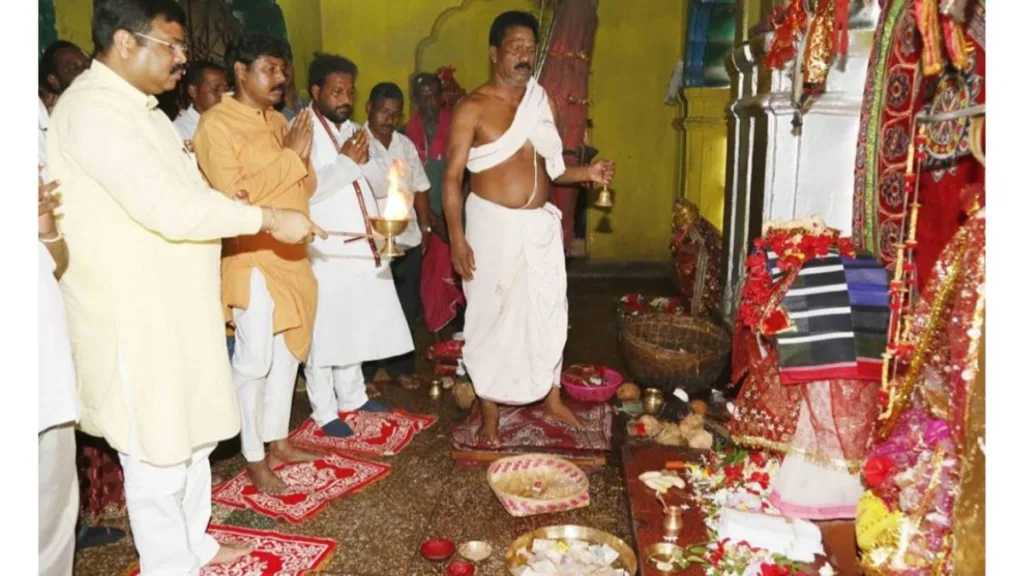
(312, 484)
(274, 554)
(376, 433)
(523, 429)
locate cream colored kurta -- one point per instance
(142, 292)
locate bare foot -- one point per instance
(228, 553)
(488, 433)
(264, 479)
(283, 451)
(555, 410)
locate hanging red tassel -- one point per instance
(842, 31)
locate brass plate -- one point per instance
(664, 552)
(626, 560)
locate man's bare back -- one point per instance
(510, 183)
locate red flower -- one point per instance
(641, 430)
(775, 570)
(761, 478)
(758, 459)
(878, 471)
(774, 322)
(717, 554)
(883, 399)
(734, 474)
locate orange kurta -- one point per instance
(240, 148)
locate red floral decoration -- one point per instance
(878, 471)
(758, 308)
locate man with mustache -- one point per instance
(141, 289)
(510, 255)
(389, 148)
(359, 318)
(269, 291)
(60, 64)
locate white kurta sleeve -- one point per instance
(334, 177)
(417, 175)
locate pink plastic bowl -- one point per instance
(594, 394)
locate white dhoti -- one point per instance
(58, 500)
(516, 311)
(264, 370)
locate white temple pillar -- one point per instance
(777, 172)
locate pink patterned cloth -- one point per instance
(523, 429)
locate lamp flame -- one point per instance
(396, 206)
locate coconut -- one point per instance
(464, 394)
(628, 392)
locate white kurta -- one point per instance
(58, 400)
(359, 317)
(187, 122)
(414, 179)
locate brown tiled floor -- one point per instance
(380, 529)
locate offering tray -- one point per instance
(626, 560)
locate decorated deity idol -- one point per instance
(810, 331)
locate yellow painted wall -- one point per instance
(636, 47)
(74, 22)
(302, 18)
(706, 136)
(460, 39)
(380, 37)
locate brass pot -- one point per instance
(653, 401)
(672, 523)
(435, 390)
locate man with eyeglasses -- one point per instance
(142, 288)
(389, 147)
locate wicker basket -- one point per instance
(670, 351)
(531, 484)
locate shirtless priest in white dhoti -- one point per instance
(510, 254)
(359, 317)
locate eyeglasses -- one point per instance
(175, 47)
